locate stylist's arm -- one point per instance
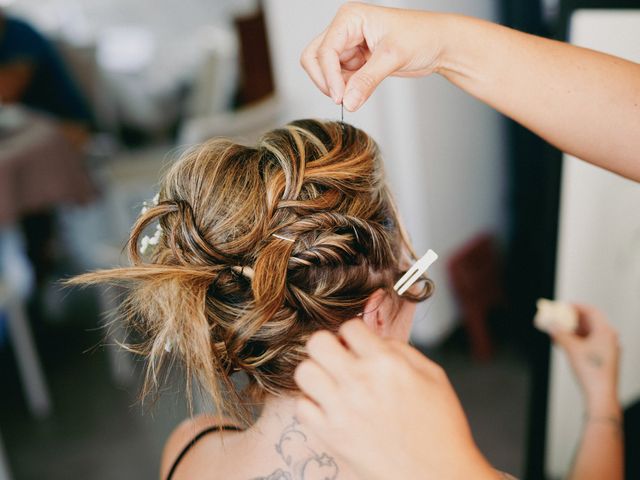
(584, 102)
(392, 411)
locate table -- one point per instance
(39, 169)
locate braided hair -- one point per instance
(261, 247)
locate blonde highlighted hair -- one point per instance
(261, 247)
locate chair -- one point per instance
(475, 275)
(245, 124)
(31, 374)
(16, 281)
(207, 112)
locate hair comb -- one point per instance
(415, 272)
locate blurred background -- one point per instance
(99, 96)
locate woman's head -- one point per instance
(262, 246)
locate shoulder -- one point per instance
(15, 27)
(20, 40)
(184, 433)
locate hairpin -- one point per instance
(283, 238)
(415, 272)
(244, 270)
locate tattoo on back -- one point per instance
(301, 461)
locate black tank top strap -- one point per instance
(194, 440)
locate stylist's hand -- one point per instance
(388, 411)
(594, 357)
(366, 43)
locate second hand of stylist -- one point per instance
(391, 410)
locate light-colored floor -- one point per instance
(99, 431)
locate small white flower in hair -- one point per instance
(147, 241)
(156, 236)
(144, 244)
(150, 241)
(168, 345)
(145, 205)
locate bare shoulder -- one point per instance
(183, 434)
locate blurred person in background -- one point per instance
(33, 74)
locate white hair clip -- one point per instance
(415, 272)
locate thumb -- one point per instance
(414, 358)
(382, 63)
(566, 340)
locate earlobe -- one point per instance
(381, 321)
(373, 315)
(370, 319)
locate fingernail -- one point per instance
(352, 99)
(334, 97)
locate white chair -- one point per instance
(31, 373)
(243, 125)
(216, 75)
(16, 281)
(215, 82)
(14, 267)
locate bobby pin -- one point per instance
(283, 238)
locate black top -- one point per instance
(195, 439)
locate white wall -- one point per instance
(169, 19)
(598, 250)
(444, 150)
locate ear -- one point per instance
(375, 314)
